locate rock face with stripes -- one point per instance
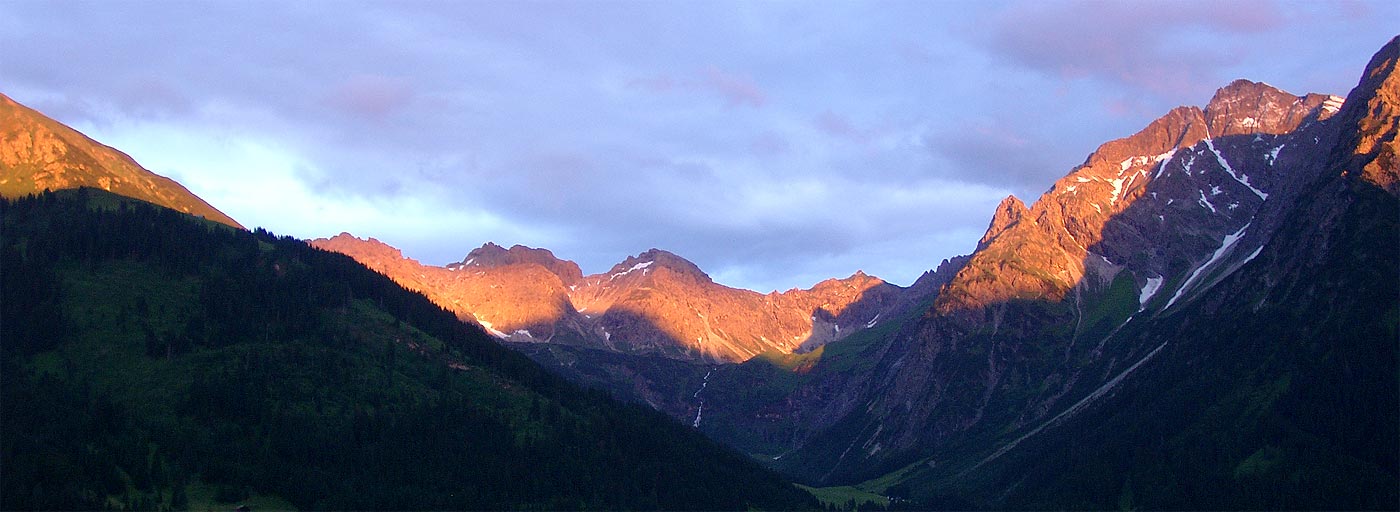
(1046, 316)
(1192, 177)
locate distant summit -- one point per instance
(653, 303)
(1246, 107)
(658, 259)
(491, 255)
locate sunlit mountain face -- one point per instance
(655, 303)
(39, 154)
(1210, 221)
(1203, 314)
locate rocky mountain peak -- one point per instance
(370, 249)
(1246, 107)
(1010, 211)
(1182, 126)
(654, 259)
(346, 237)
(490, 255)
(1209, 169)
(857, 281)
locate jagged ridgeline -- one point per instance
(154, 360)
(1201, 316)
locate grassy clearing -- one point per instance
(203, 498)
(842, 496)
(880, 484)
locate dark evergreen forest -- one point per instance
(152, 360)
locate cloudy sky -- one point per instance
(774, 143)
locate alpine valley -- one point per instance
(1203, 315)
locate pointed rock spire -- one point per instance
(1008, 213)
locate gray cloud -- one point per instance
(737, 90)
(774, 143)
(1179, 51)
(1138, 43)
(995, 154)
(373, 97)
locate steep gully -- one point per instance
(700, 408)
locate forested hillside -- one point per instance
(152, 360)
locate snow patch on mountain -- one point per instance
(1240, 177)
(701, 409)
(488, 327)
(1117, 189)
(1148, 290)
(1166, 158)
(1225, 246)
(640, 266)
(1205, 202)
(1333, 103)
(1273, 153)
(1252, 255)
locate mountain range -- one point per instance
(654, 303)
(1204, 314)
(1206, 220)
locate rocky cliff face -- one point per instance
(1369, 145)
(1042, 320)
(1268, 370)
(1193, 176)
(653, 303)
(1218, 254)
(38, 154)
(1039, 319)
